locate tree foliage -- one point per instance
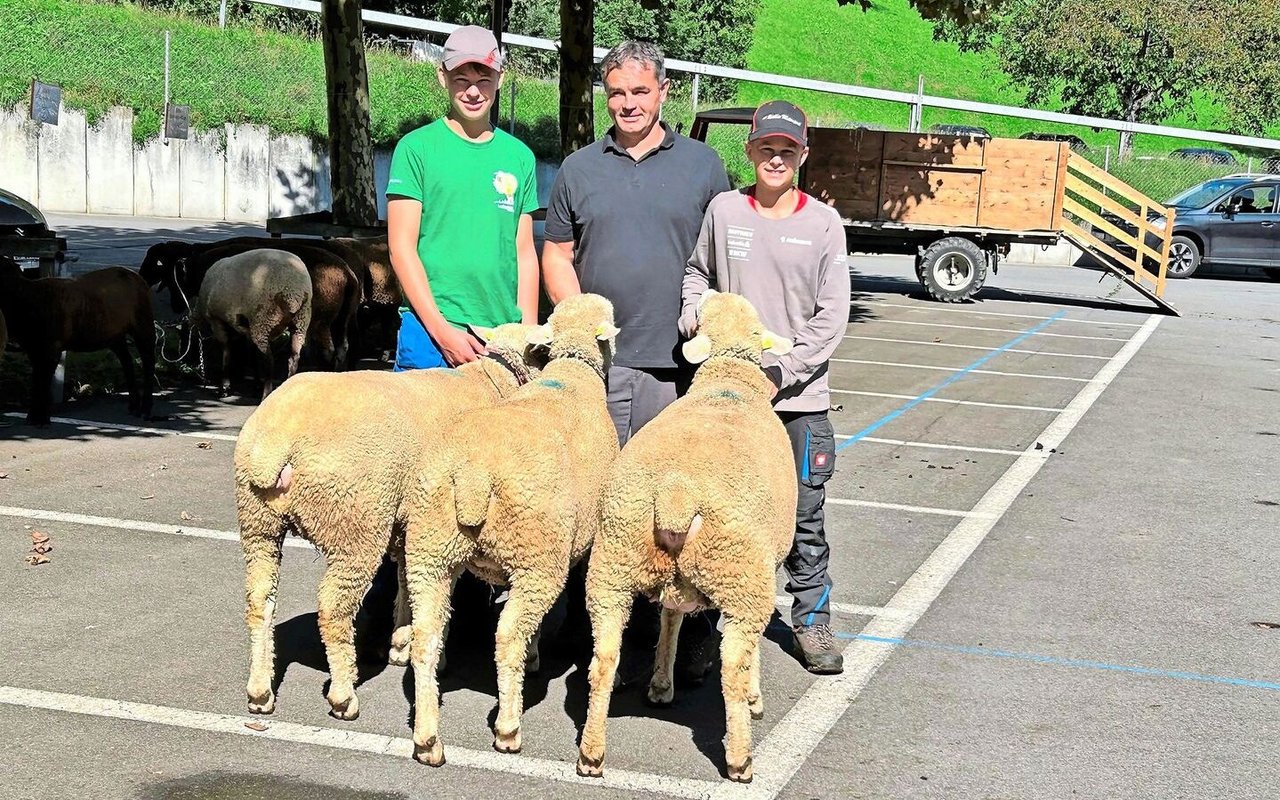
(961, 12)
(1138, 60)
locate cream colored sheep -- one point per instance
(329, 456)
(513, 497)
(259, 294)
(698, 512)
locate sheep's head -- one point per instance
(729, 326)
(163, 267)
(511, 343)
(580, 327)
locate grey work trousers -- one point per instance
(637, 395)
(808, 582)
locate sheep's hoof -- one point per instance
(741, 773)
(590, 767)
(507, 742)
(345, 710)
(431, 753)
(756, 706)
(532, 662)
(660, 696)
(263, 703)
(398, 656)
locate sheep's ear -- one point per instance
(482, 333)
(703, 297)
(775, 344)
(697, 349)
(539, 334)
(607, 332)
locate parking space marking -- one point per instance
(958, 374)
(978, 403)
(783, 602)
(952, 309)
(90, 424)
(931, 446)
(997, 330)
(345, 739)
(974, 347)
(136, 525)
(789, 745)
(945, 512)
(960, 369)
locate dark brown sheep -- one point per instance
(95, 311)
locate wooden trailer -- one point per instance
(957, 203)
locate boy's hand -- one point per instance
(458, 347)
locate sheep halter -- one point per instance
(521, 375)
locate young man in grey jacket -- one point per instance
(786, 252)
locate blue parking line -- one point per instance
(1064, 662)
(920, 398)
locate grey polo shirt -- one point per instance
(634, 225)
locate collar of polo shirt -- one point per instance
(610, 144)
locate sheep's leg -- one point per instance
(738, 659)
(755, 701)
(531, 597)
(121, 348)
(144, 338)
(345, 581)
(403, 634)
(262, 577)
(219, 334)
(609, 612)
(429, 596)
(266, 366)
(297, 338)
(661, 686)
(44, 361)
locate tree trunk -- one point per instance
(577, 63)
(350, 139)
(499, 18)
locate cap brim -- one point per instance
(757, 135)
(484, 61)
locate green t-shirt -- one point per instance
(472, 198)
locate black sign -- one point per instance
(45, 100)
(176, 121)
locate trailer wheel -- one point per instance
(953, 269)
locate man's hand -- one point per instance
(458, 347)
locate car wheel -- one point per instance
(1184, 257)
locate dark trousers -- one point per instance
(808, 582)
(636, 396)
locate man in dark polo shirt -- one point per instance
(624, 216)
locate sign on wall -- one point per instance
(176, 121)
(45, 101)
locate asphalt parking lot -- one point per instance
(1052, 527)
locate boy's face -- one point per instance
(635, 96)
(472, 89)
(776, 159)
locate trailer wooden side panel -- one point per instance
(844, 170)
(1020, 186)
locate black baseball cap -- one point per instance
(780, 118)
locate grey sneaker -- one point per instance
(817, 649)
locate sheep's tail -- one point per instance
(266, 464)
(472, 489)
(675, 513)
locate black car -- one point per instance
(971, 131)
(1074, 142)
(1231, 223)
(1206, 155)
(25, 236)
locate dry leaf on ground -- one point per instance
(35, 559)
(186, 517)
(38, 537)
(205, 445)
(255, 726)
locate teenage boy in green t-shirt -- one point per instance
(459, 199)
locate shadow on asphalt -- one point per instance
(892, 284)
(227, 785)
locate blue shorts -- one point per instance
(415, 348)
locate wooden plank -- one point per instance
(1084, 166)
(1164, 252)
(1088, 241)
(1137, 241)
(924, 148)
(1074, 184)
(1019, 187)
(912, 194)
(1060, 182)
(930, 166)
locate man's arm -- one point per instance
(557, 252)
(527, 264)
(698, 275)
(816, 342)
(404, 216)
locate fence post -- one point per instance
(222, 14)
(1106, 160)
(917, 108)
(1250, 165)
(512, 89)
(694, 95)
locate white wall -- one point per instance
(62, 170)
(109, 172)
(19, 137)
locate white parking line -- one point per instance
(783, 601)
(959, 369)
(791, 742)
(945, 512)
(90, 424)
(932, 446)
(348, 739)
(134, 525)
(1011, 331)
(953, 310)
(945, 400)
(975, 347)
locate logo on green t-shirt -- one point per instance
(506, 184)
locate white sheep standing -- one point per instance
(698, 512)
(329, 457)
(259, 295)
(513, 496)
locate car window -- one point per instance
(1201, 194)
(1250, 200)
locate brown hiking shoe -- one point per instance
(817, 649)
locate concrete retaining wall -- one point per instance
(109, 173)
(62, 169)
(248, 154)
(19, 138)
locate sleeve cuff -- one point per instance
(774, 373)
